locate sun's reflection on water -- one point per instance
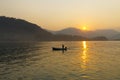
(84, 45)
(84, 55)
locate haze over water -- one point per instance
(84, 60)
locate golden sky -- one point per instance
(59, 14)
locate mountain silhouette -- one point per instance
(108, 33)
(69, 31)
(12, 29)
(116, 37)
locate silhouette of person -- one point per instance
(62, 46)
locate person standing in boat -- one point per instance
(63, 46)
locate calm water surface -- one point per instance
(83, 61)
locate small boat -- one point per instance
(58, 49)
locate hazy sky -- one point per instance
(58, 14)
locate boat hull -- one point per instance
(58, 49)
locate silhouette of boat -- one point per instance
(58, 49)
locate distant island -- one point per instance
(12, 29)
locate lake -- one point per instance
(84, 60)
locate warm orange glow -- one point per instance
(84, 28)
(84, 55)
(84, 45)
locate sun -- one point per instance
(84, 28)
